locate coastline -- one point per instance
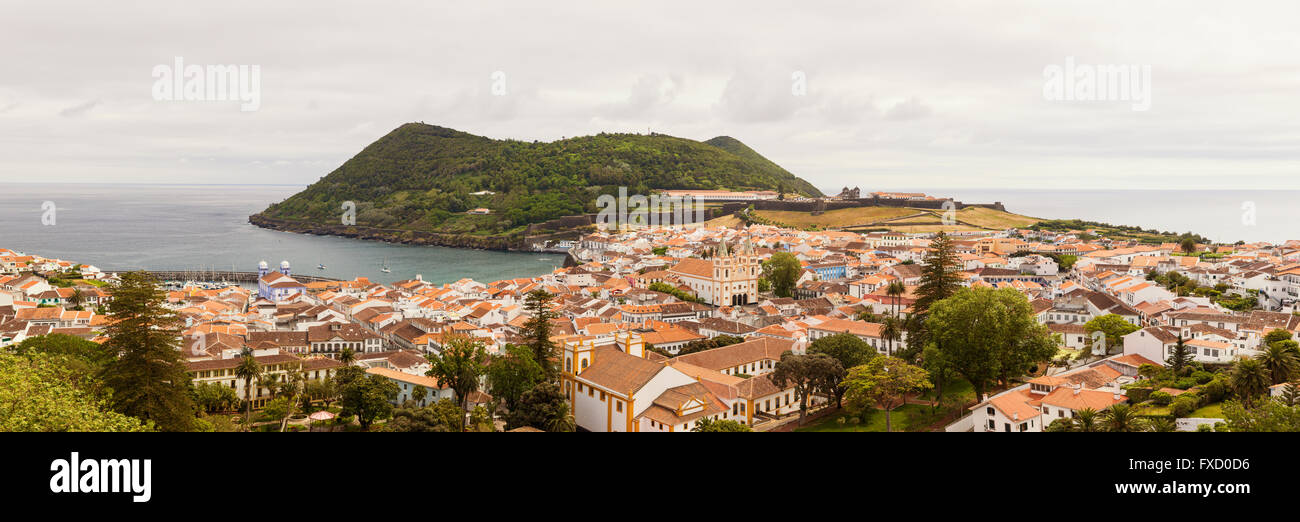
(510, 243)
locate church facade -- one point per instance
(277, 286)
(729, 278)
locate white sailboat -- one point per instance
(385, 268)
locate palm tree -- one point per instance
(564, 422)
(896, 289)
(248, 370)
(347, 357)
(1086, 420)
(890, 329)
(1280, 362)
(1162, 424)
(1249, 379)
(1121, 418)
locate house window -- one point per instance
(602, 396)
(618, 405)
(989, 410)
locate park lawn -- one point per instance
(993, 219)
(1152, 409)
(835, 218)
(1212, 411)
(957, 388)
(928, 229)
(902, 418)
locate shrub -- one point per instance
(1161, 398)
(1184, 383)
(1205, 428)
(1214, 390)
(1184, 405)
(1202, 376)
(1139, 394)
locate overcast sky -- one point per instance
(899, 95)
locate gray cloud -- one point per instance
(79, 109)
(894, 90)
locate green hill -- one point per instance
(423, 178)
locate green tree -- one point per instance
(459, 366)
(1188, 245)
(213, 397)
(443, 416)
(1121, 418)
(1087, 420)
(1249, 379)
(38, 392)
(1115, 328)
(884, 383)
(1290, 394)
(896, 289)
(707, 425)
(481, 420)
(537, 331)
(248, 370)
(1277, 334)
(1181, 358)
(782, 270)
(1162, 424)
(941, 372)
(849, 350)
(88, 355)
(989, 335)
(891, 329)
(542, 407)
(1281, 363)
(1268, 416)
(368, 397)
(808, 374)
(939, 275)
(148, 376)
(511, 374)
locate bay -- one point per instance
(205, 227)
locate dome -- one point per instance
(284, 264)
(262, 264)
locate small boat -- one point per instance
(385, 268)
(320, 266)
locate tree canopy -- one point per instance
(988, 335)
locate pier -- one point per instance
(214, 275)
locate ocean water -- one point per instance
(205, 227)
(1222, 216)
(197, 227)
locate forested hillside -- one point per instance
(423, 177)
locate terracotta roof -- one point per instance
(740, 353)
(620, 372)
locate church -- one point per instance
(727, 279)
(277, 286)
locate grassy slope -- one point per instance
(969, 219)
(420, 177)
